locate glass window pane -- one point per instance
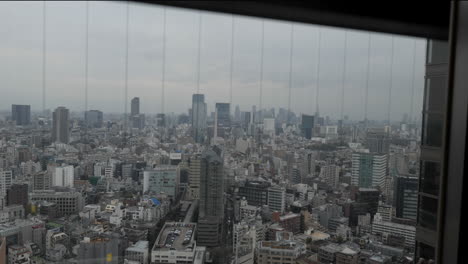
(430, 177)
(437, 52)
(436, 88)
(432, 130)
(428, 212)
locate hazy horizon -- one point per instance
(21, 61)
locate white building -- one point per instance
(285, 252)
(63, 176)
(384, 228)
(137, 253)
(244, 243)
(269, 126)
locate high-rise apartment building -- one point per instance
(60, 131)
(432, 149)
(211, 210)
(276, 199)
(6, 177)
(198, 117)
(369, 170)
(194, 176)
(21, 114)
(94, 118)
(63, 176)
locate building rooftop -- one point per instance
(140, 246)
(175, 236)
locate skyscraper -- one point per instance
(93, 118)
(369, 170)
(198, 117)
(21, 114)
(307, 124)
(432, 150)
(135, 106)
(161, 120)
(211, 212)
(60, 132)
(223, 118)
(237, 114)
(138, 121)
(406, 196)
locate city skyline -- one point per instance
(65, 61)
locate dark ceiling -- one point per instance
(428, 19)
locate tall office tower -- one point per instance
(307, 124)
(237, 114)
(223, 117)
(21, 114)
(161, 120)
(369, 170)
(198, 117)
(377, 140)
(161, 180)
(254, 114)
(93, 118)
(135, 106)
(247, 119)
(194, 164)
(63, 176)
(211, 210)
(138, 121)
(432, 149)
(60, 132)
(406, 196)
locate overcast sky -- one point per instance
(21, 49)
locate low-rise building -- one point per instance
(176, 244)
